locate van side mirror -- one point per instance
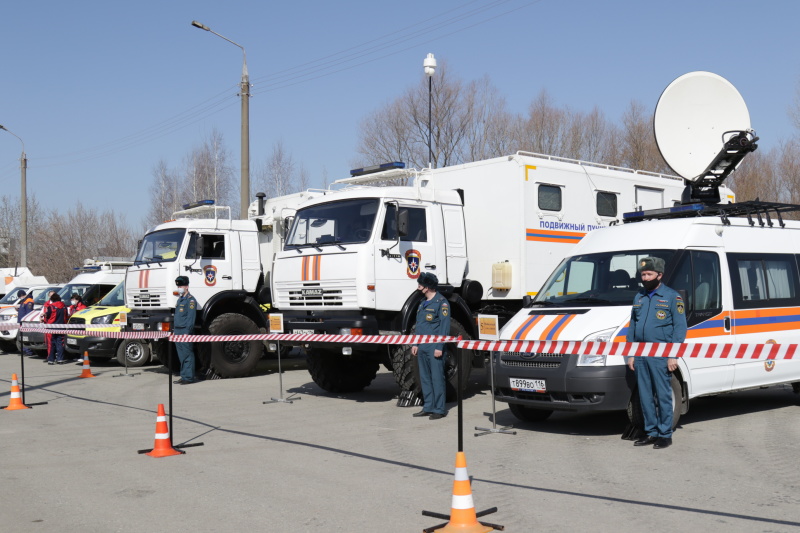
(402, 223)
(526, 300)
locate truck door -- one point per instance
(397, 266)
(209, 270)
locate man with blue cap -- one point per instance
(185, 312)
(433, 318)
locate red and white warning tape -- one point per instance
(641, 349)
(346, 339)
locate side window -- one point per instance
(763, 280)
(213, 247)
(549, 198)
(417, 224)
(697, 278)
(606, 204)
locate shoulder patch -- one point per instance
(679, 304)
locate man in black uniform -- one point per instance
(433, 318)
(185, 311)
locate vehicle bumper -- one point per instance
(329, 323)
(33, 340)
(568, 387)
(96, 346)
(8, 335)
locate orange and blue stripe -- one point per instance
(544, 235)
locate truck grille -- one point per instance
(77, 320)
(146, 299)
(331, 295)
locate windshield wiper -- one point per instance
(589, 300)
(545, 303)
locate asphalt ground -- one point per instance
(359, 463)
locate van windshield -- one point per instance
(160, 246)
(602, 279)
(11, 297)
(345, 222)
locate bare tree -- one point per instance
(280, 175)
(207, 174)
(163, 193)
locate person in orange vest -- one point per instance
(55, 313)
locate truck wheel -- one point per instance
(406, 368)
(234, 359)
(635, 415)
(136, 351)
(335, 372)
(529, 414)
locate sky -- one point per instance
(100, 92)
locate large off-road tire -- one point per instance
(335, 372)
(529, 414)
(635, 415)
(233, 359)
(136, 351)
(406, 368)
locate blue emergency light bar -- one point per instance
(377, 168)
(198, 204)
(667, 212)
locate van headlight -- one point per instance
(105, 319)
(596, 360)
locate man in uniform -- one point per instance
(185, 310)
(657, 316)
(433, 318)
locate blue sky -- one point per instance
(101, 91)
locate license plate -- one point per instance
(303, 331)
(531, 385)
(24, 339)
(138, 326)
(72, 341)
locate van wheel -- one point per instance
(635, 415)
(529, 414)
(136, 351)
(234, 359)
(406, 367)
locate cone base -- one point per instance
(167, 452)
(465, 528)
(87, 375)
(16, 407)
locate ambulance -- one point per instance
(736, 266)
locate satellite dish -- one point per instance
(696, 115)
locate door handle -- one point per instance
(727, 323)
(226, 277)
(430, 267)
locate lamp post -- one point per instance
(245, 94)
(23, 168)
(429, 64)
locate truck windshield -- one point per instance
(160, 246)
(601, 279)
(343, 222)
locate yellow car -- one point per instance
(137, 351)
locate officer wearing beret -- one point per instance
(185, 311)
(433, 318)
(657, 316)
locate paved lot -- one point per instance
(359, 463)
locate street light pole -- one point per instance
(429, 64)
(23, 168)
(245, 94)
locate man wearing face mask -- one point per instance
(433, 318)
(658, 315)
(185, 311)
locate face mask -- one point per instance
(651, 284)
(181, 290)
(74, 302)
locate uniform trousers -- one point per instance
(431, 378)
(655, 395)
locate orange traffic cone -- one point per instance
(462, 512)
(16, 399)
(87, 370)
(162, 446)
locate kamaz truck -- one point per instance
(491, 231)
(228, 263)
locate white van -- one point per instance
(738, 276)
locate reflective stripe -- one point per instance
(462, 502)
(461, 474)
(162, 435)
(161, 419)
(15, 395)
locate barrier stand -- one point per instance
(494, 428)
(125, 374)
(463, 517)
(291, 398)
(169, 382)
(22, 377)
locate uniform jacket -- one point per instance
(657, 318)
(72, 309)
(55, 313)
(185, 311)
(433, 318)
(25, 307)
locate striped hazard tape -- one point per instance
(347, 339)
(641, 349)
